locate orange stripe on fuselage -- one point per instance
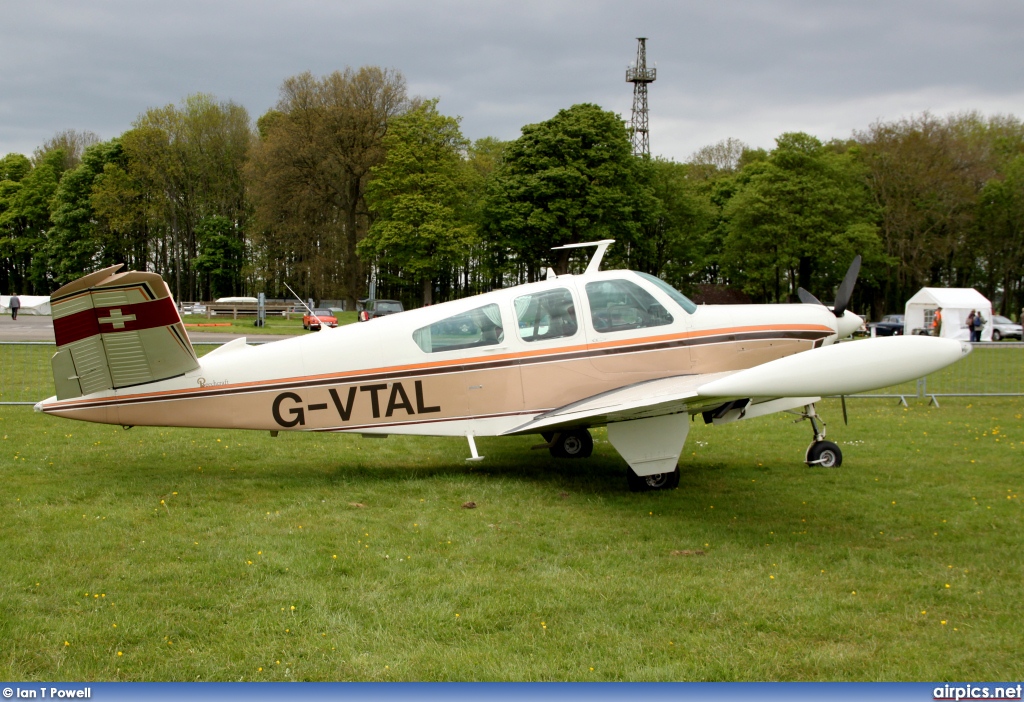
(344, 376)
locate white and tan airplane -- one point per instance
(606, 348)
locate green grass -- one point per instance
(244, 325)
(199, 543)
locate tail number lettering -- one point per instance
(398, 399)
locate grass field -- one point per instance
(197, 324)
(175, 554)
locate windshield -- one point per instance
(681, 299)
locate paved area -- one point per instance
(36, 328)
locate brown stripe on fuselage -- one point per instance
(580, 351)
(495, 385)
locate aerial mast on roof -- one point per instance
(640, 75)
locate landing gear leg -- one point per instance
(820, 453)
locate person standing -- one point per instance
(979, 325)
(15, 306)
(937, 322)
(970, 325)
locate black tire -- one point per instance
(996, 336)
(824, 454)
(576, 443)
(658, 481)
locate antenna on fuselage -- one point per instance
(595, 262)
(308, 308)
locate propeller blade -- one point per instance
(845, 291)
(842, 399)
(807, 298)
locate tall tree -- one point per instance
(924, 176)
(418, 197)
(569, 179)
(193, 156)
(75, 243)
(71, 142)
(797, 219)
(997, 242)
(25, 221)
(681, 214)
(309, 173)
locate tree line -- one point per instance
(350, 182)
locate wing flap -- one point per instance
(651, 398)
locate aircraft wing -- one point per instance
(648, 421)
(651, 398)
(839, 369)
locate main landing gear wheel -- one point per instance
(825, 454)
(658, 481)
(576, 443)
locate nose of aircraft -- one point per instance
(848, 324)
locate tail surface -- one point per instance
(114, 330)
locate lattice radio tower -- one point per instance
(640, 75)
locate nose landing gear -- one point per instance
(820, 453)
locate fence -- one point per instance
(993, 369)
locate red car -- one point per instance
(313, 321)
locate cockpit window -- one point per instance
(546, 315)
(479, 327)
(618, 305)
(683, 301)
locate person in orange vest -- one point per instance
(937, 323)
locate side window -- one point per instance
(479, 327)
(618, 305)
(547, 315)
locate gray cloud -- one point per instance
(748, 69)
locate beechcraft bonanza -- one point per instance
(606, 348)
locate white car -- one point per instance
(1003, 328)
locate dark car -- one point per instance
(370, 309)
(313, 321)
(891, 325)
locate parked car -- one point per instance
(891, 325)
(1003, 328)
(371, 309)
(312, 321)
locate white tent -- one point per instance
(30, 304)
(956, 304)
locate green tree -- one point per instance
(183, 164)
(418, 197)
(924, 175)
(678, 219)
(796, 220)
(25, 221)
(220, 257)
(76, 242)
(997, 242)
(570, 179)
(71, 142)
(309, 172)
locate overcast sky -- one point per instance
(748, 69)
